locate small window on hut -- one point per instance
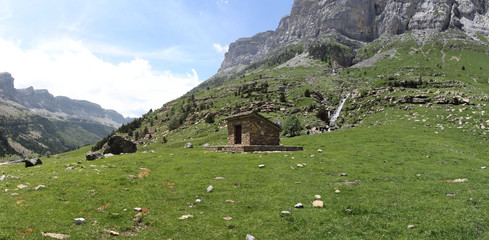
(237, 134)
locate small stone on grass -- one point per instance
(299, 205)
(249, 237)
(186, 217)
(284, 213)
(79, 221)
(55, 235)
(318, 204)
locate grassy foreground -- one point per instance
(397, 174)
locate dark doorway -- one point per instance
(237, 134)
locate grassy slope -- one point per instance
(396, 162)
(380, 196)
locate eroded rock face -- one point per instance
(361, 20)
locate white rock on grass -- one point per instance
(198, 200)
(21, 186)
(39, 187)
(284, 213)
(210, 188)
(55, 235)
(318, 204)
(186, 217)
(249, 237)
(317, 196)
(261, 165)
(320, 151)
(79, 221)
(299, 205)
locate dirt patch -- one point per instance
(144, 173)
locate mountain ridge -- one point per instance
(43, 102)
(357, 20)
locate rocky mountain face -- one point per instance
(359, 20)
(41, 101)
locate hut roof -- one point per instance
(253, 114)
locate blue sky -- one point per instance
(125, 55)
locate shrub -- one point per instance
(174, 124)
(209, 118)
(282, 97)
(307, 93)
(292, 126)
(323, 114)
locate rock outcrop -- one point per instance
(32, 162)
(359, 20)
(117, 145)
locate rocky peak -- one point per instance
(7, 85)
(360, 20)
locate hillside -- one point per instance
(35, 122)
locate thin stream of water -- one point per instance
(338, 111)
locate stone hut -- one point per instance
(251, 132)
(251, 128)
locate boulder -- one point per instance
(32, 162)
(90, 156)
(189, 145)
(117, 145)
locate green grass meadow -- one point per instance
(397, 174)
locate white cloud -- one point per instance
(220, 49)
(69, 68)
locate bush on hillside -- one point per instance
(323, 114)
(292, 126)
(209, 118)
(282, 97)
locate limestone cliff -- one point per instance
(360, 20)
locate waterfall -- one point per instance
(338, 111)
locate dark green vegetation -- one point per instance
(410, 149)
